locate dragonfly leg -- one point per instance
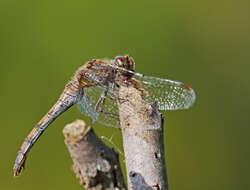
(114, 96)
(100, 103)
(100, 108)
(101, 100)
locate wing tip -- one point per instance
(192, 97)
(186, 86)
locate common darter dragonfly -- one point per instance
(95, 90)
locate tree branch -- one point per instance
(96, 165)
(142, 130)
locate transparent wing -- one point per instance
(109, 115)
(170, 95)
(86, 107)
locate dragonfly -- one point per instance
(95, 89)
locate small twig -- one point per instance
(143, 141)
(96, 165)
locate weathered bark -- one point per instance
(96, 165)
(142, 130)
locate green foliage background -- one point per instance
(202, 43)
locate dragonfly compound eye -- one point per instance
(124, 62)
(120, 60)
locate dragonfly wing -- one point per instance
(86, 107)
(170, 95)
(109, 115)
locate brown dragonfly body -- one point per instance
(95, 72)
(101, 78)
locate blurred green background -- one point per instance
(205, 44)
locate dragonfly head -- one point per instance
(125, 62)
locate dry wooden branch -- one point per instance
(96, 165)
(143, 145)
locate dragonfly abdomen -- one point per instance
(71, 95)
